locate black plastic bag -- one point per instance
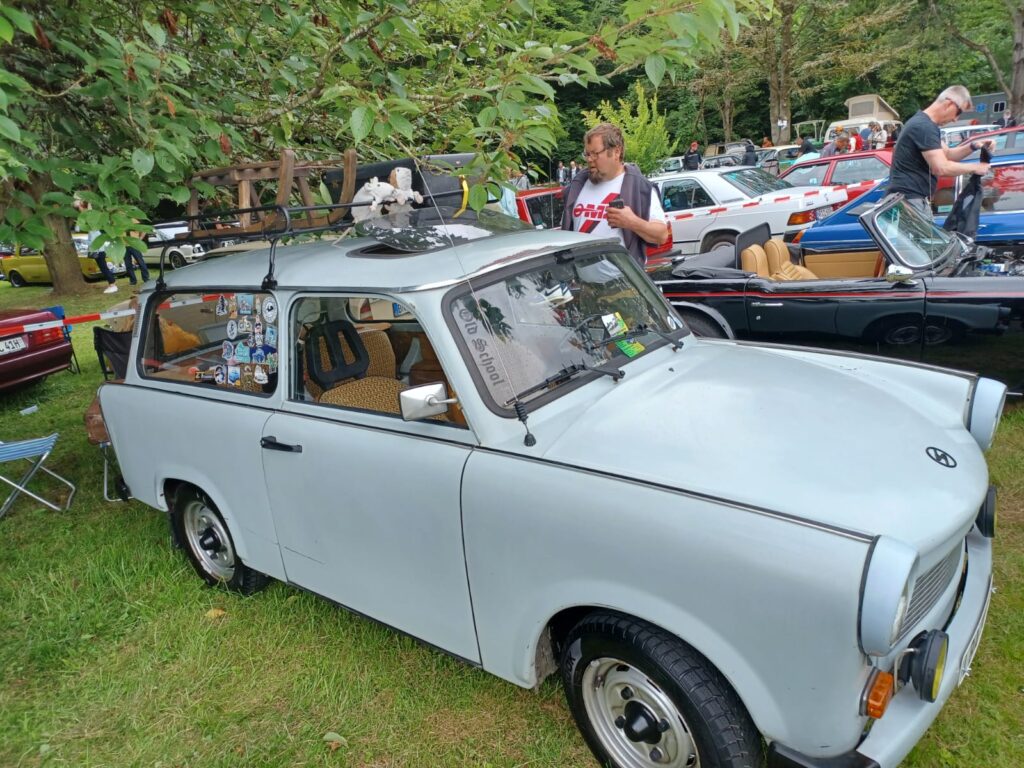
(963, 217)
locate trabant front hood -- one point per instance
(829, 438)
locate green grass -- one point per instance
(108, 656)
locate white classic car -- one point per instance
(506, 443)
(179, 253)
(708, 208)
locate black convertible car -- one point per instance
(920, 294)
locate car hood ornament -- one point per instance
(940, 457)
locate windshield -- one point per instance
(754, 182)
(915, 239)
(530, 333)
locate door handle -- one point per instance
(272, 444)
(766, 303)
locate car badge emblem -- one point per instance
(940, 457)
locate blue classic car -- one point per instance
(1001, 225)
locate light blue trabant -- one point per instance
(508, 445)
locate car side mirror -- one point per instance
(897, 274)
(424, 401)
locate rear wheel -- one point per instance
(17, 281)
(204, 534)
(702, 325)
(644, 699)
(720, 242)
(177, 260)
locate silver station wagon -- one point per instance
(506, 443)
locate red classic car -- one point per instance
(858, 171)
(27, 356)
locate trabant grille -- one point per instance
(929, 588)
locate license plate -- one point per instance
(12, 345)
(972, 647)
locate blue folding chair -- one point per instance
(36, 452)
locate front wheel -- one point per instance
(644, 699)
(17, 281)
(201, 530)
(177, 260)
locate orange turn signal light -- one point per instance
(879, 693)
(801, 217)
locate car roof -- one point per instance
(364, 264)
(1011, 129)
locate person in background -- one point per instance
(921, 156)
(573, 170)
(878, 138)
(749, 154)
(692, 159)
(520, 180)
(806, 146)
(133, 255)
(766, 142)
(865, 137)
(840, 146)
(562, 175)
(893, 129)
(96, 250)
(1006, 121)
(612, 197)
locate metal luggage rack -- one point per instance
(278, 222)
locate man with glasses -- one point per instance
(611, 197)
(920, 156)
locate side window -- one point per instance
(859, 169)
(683, 195)
(802, 175)
(359, 353)
(224, 340)
(1003, 189)
(545, 210)
(998, 107)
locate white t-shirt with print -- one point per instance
(590, 212)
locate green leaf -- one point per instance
(9, 129)
(400, 124)
(64, 180)
(655, 68)
(180, 195)
(477, 196)
(156, 32)
(142, 162)
(361, 123)
(165, 161)
(3, 100)
(6, 30)
(487, 117)
(21, 20)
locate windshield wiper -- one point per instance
(567, 373)
(645, 328)
(640, 329)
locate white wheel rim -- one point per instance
(618, 698)
(209, 540)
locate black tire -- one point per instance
(204, 536)
(16, 280)
(177, 260)
(715, 241)
(702, 325)
(635, 689)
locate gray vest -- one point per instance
(636, 193)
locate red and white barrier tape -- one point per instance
(780, 199)
(13, 330)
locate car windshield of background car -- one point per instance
(754, 182)
(529, 327)
(915, 239)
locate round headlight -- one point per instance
(987, 403)
(885, 594)
(986, 520)
(928, 663)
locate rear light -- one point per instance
(45, 336)
(877, 694)
(801, 217)
(797, 236)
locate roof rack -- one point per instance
(274, 222)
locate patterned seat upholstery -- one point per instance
(382, 358)
(373, 393)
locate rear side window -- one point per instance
(859, 169)
(807, 175)
(225, 340)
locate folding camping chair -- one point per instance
(36, 452)
(113, 347)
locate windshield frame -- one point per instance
(466, 287)
(870, 221)
(732, 175)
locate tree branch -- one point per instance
(979, 47)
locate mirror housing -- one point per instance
(424, 401)
(898, 274)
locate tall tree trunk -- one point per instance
(779, 46)
(1016, 93)
(59, 253)
(725, 110)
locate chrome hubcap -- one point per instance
(209, 540)
(636, 721)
